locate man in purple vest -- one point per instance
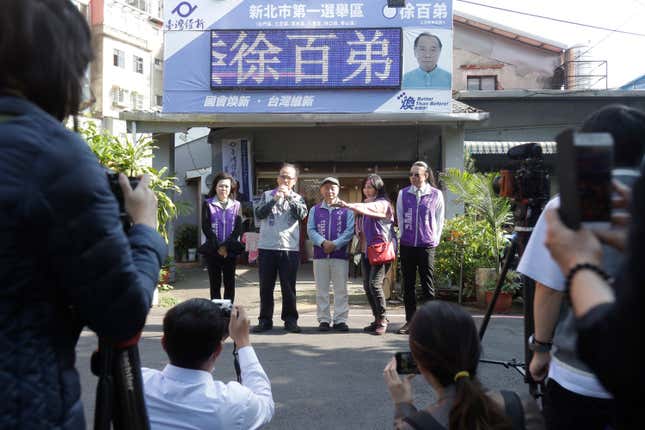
(330, 228)
(420, 214)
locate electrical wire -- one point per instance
(564, 21)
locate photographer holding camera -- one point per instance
(65, 260)
(574, 397)
(184, 394)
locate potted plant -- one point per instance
(490, 212)
(186, 242)
(133, 159)
(509, 287)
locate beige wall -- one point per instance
(516, 65)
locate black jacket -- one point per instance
(610, 335)
(65, 263)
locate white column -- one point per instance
(452, 138)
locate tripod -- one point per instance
(509, 256)
(518, 242)
(119, 393)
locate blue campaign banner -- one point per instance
(302, 59)
(307, 56)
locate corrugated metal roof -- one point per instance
(480, 147)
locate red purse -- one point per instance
(381, 253)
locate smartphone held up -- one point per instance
(405, 363)
(585, 162)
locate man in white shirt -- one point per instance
(184, 395)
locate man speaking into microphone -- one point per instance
(420, 215)
(280, 211)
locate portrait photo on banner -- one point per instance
(427, 58)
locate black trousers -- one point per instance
(373, 277)
(415, 259)
(218, 266)
(564, 409)
(272, 264)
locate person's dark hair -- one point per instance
(375, 180)
(192, 330)
(416, 40)
(423, 164)
(223, 175)
(626, 125)
(45, 50)
(444, 341)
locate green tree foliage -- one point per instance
(483, 207)
(133, 159)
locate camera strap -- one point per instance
(236, 363)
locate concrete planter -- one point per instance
(504, 301)
(482, 275)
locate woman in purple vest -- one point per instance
(420, 214)
(374, 226)
(222, 225)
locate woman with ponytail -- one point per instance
(445, 345)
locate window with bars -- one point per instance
(477, 83)
(137, 64)
(136, 101)
(119, 96)
(139, 4)
(119, 58)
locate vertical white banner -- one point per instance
(237, 161)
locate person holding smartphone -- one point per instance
(573, 396)
(445, 345)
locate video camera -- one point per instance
(527, 185)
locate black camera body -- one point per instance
(527, 185)
(115, 187)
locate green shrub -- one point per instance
(186, 237)
(468, 236)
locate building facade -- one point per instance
(127, 71)
(485, 55)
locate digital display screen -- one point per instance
(300, 59)
(593, 165)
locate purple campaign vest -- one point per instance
(330, 225)
(376, 230)
(223, 220)
(418, 219)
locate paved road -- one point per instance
(320, 380)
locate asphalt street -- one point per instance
(320, 380)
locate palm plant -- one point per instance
(133, 159)
(475, 191)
